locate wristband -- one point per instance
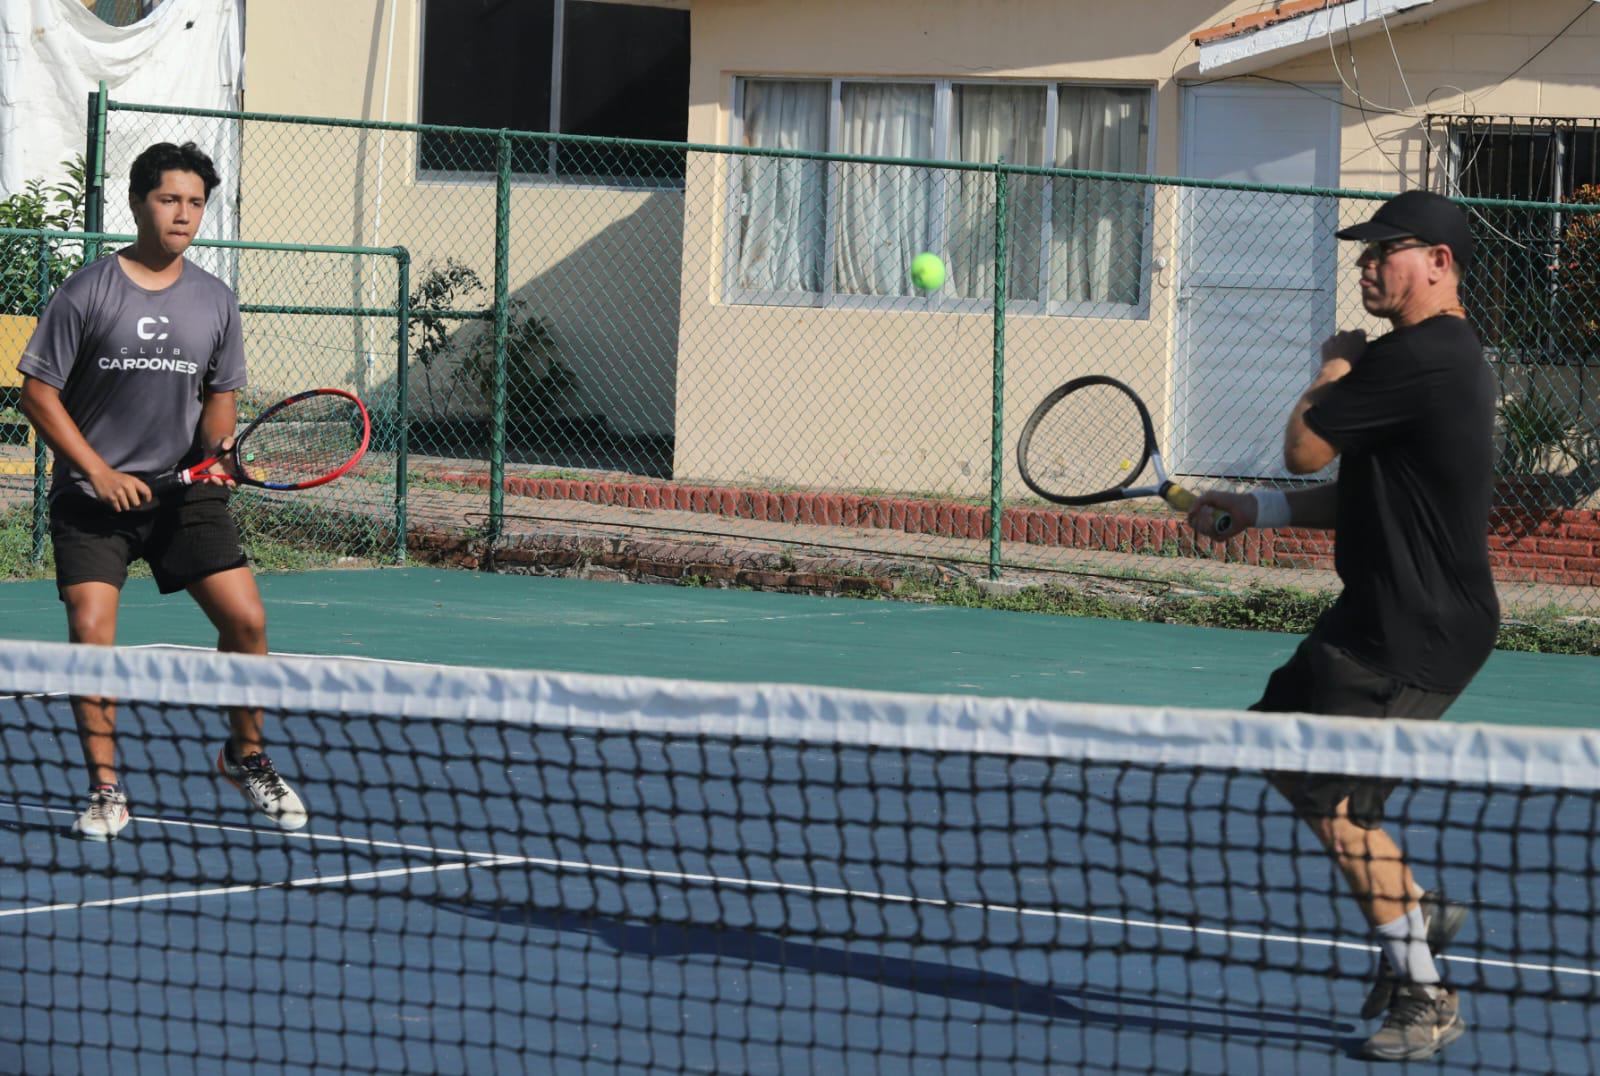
(1272, 508)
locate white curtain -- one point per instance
(994, 122)
(1097, 226)
(782, 202)
(885, 212)
(185, 53)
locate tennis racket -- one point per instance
(1089, 441)
(305, 440)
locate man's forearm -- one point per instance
(1303, 451)
(218, 416)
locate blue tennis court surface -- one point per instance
(474, 898)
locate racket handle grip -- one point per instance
(1183, 501)
(166, 483)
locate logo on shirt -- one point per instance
(157, 356)
(146, 327)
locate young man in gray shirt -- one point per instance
(133, 371)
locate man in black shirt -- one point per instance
(1410, 416)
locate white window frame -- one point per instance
(944, 122)
(549, 177)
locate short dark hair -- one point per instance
(147, 169)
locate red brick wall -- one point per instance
(1553, 546)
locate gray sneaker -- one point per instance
(106, 815)
(1444, 921)
(1422, 1020)
(263, 787)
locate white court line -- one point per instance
(565, 624)
(489, 859)
(218, 827)
(293, 883)
(192, 648)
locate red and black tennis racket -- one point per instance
(306, 440)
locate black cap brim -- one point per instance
(1373, 231)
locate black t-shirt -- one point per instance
(1414, 426)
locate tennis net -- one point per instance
(524, 872)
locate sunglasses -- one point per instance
(1382, 250)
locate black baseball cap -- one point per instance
(1423, 215)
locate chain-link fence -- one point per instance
(312, 316)
(617, 337)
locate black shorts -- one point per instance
(186, 536)
(1321, 678)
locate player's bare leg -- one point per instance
(232, 601)
(92, 618)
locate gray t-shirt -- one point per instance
(131, 364)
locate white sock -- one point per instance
(1405, 943)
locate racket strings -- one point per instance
(1091, 440)
(305, 440)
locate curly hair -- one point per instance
(145, 174)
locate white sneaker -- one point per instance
(264, 788)
(105, 817)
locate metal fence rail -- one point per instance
(724, 339)
(306, 323)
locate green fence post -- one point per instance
(41, 463)
(94, 173)
(997, 417)
(402, 404)
(502, 298)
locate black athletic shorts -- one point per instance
(1321, 678)
(184, 537)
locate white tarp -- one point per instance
(54, 53)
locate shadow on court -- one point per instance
(946, 981)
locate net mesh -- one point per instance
(509, 872)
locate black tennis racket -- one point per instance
(305, 440)
(1089, 441)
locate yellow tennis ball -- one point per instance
(927, 271)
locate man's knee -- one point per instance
(245, 627)
(91, 618)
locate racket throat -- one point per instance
(1176, 495)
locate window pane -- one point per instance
(484, 64)
(994, 123)
(624, 73)
(1510, 276)
(1583, 168)
(885, 212)
(1097, 235)
(782, 202)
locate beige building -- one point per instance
(758, 311)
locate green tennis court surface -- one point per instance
(523, 622)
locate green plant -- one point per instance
(436, 295)
(1580, 275)
(1256, 608)
(56, 206)
(16, 546)
(1535, 425)
(536, 379)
